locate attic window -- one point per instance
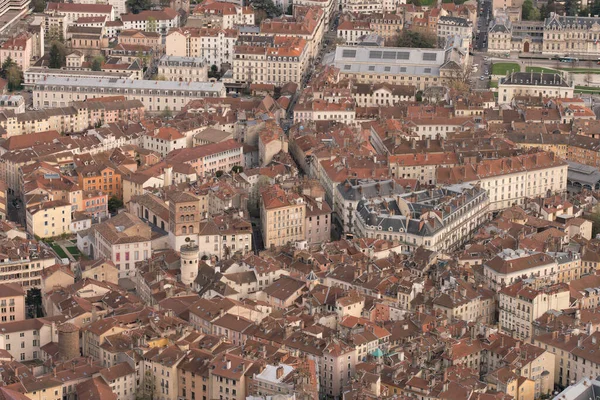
(371, 68)
(347, 67)
(387, 69)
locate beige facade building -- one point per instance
(534, 84)
(282, 216)
(283, 61)
(521, 304)
(182, 69)
(49, 219)
(19, 49)
(215, 45)
(12, 302)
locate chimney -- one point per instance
(279, 372)
(228, 364)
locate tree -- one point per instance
(14, 78)
(290, 10)
(57, 55)
(237, 169)
(214, 72)
(152, 25)
(114, 203)
(97, 63)
(167, 113)
(33, 303)
(459, 79)
(268, 7)
(39, 6)
(147, 386)
(6, 66)
(416, 39)
(137, 6)
(526, 10)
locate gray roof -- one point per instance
(584, 174)
(389, 60)
(178, 61)
(561, 22)
(386, 213)
(365, 189)
(133, 84)
(535, 78)
(583, 390)
(457, 21)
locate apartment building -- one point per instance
(183, 69)
(19, 7)
(435, 127)
(318, 220)
(454, 27)
(571, 35)
(349, 193)
(420, 166)
(561, 345)
(159, 21)
(158, 372)
(12, 302)
(308, 24)
(344, 110)
(71, 12)
(24, 339)
(222, 14)
(284, 60)
(210, 158)
(388, 25)
(35, 74)
(521, 304)
(533, 84)
(381, 94)
(141, 38)
(511, 180)
(439, 219)
(352, 31)
(227, 376)
(163, 140)
(94, 177)
(224, 235)
(282, 216)
(49, 219)
(329, 7)
(123, 239)
(154, 95)
(215, 45)
(19, 49)
(509, 266)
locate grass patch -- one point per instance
(586, 90)
(581, 70)
(426, 2)
(59, 251)
(73, 250)
(540, 69)
(493, 84)
(503, 68)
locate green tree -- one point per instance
(97, 63)
(6, 66)
(268, 7)
(57, 55)
(526, 10)
(39, 5)
(167, 113)
(14, 76)
(290, 10)
(114, 203)
(214, 71)
(33, 303)
(237, 169)
(416, 39)
(137, 6)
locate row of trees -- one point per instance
(416, 39)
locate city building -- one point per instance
(183, 69)
(282, 216)
(533, 84)
(154, 95)
(49, 219)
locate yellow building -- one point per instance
(282, 215)
(49, 219)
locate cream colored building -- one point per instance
(49, 219)
(182, 69)
(534, 84)
(521, 304)
(159, 368)
(12, 302)
(511, 180)
(509, 266)
(23, 339)
(155, 95)
(282, 216)
(214, 45)
(19, 49)
(286, 60)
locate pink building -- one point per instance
(95, 203)
(18, 49)
(210, 158)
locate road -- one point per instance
(483, 22)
